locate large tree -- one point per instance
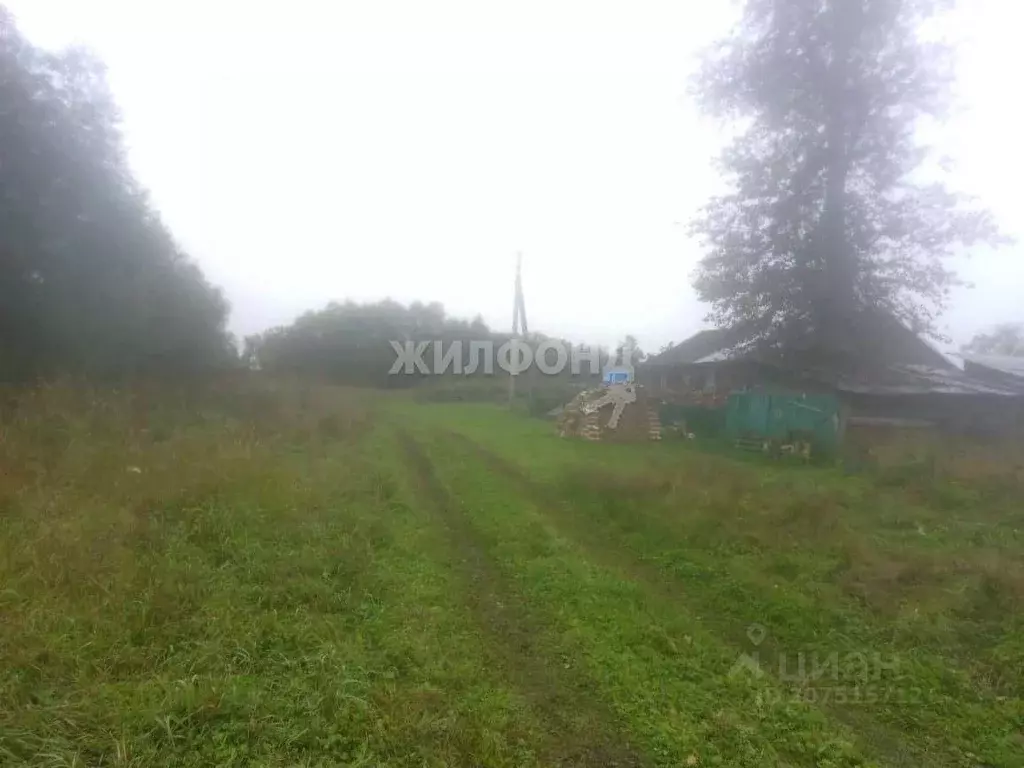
(825, 217)
(91, 281)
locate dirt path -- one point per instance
(661, 587)
(581, 731)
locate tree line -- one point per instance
(91, 280)
(352, 343)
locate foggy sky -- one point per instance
(329, 150)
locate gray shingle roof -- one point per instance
(1014, 366)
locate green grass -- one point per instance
(297, 575)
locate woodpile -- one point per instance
(608, 415)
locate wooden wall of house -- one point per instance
(979, 415)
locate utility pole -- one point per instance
(519, 327)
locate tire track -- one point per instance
(548, 499)
(581, 732)
(662, 586)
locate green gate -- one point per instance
(781, 419)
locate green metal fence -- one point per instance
(784, 418)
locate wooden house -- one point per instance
(882, 373)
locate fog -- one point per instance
(364, 150)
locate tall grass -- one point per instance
(134, 526)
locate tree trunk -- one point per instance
(836, 300)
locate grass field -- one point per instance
(291, 575)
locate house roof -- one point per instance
(872, 339)
(1011, 365)
(915, 380)
(879, 355)
(710, 343)
(881, 338)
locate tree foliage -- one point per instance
(91, 280)
(1004, 339)
(351, 343)
(631, 346)
(825, 218)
